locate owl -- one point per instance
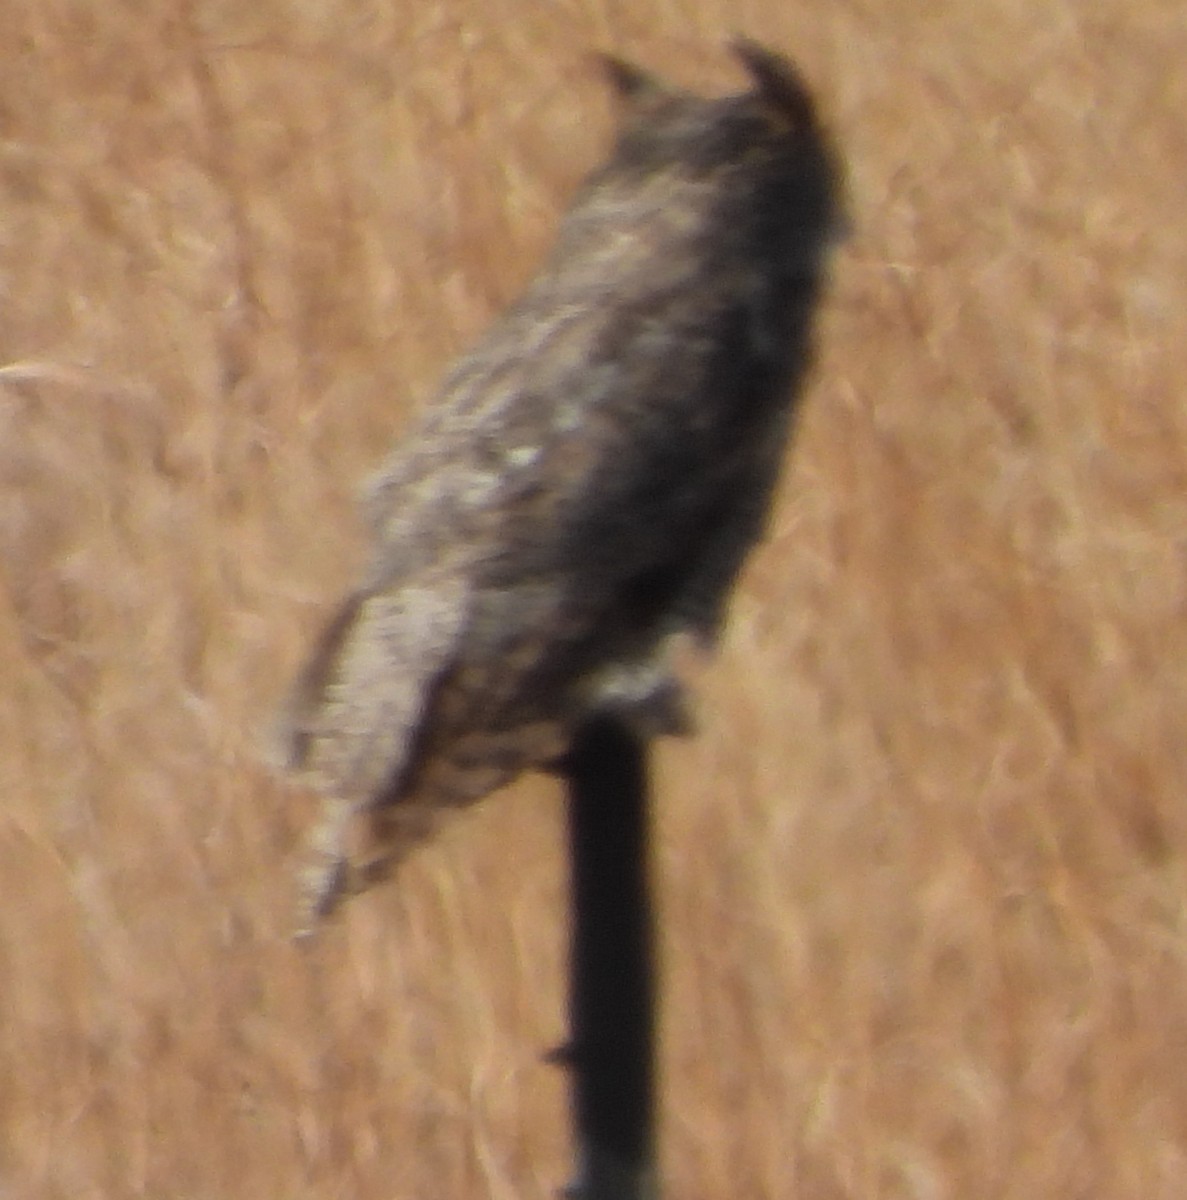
(571, 513)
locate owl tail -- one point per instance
(359, 713)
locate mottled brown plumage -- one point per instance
(582, 494)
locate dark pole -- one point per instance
(612, 983)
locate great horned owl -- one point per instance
(582, 494)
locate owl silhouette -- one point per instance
(574, 508)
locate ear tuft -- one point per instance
(630, 82)
(777, 82)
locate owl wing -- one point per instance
(358, 716)
(360, 703)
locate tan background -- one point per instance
(924, 874)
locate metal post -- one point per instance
(612, 973)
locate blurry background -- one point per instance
(924, 872)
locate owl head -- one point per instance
(764, 150)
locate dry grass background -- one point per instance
(923, 874)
